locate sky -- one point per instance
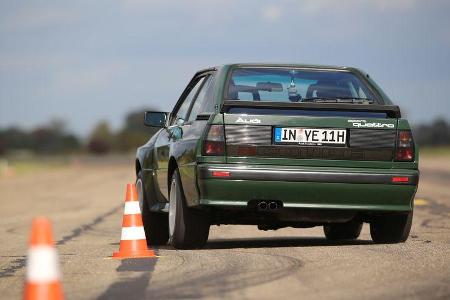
(86, 61)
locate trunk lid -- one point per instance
(252, 135)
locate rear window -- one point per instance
(297, 85)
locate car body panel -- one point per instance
(307, 187)
(145, 162)
(185, 155)
(362, 197)
(176, 143)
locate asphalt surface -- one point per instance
(85, 203)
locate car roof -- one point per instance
(309, 66)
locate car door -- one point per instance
(166, 137)
(185, 149)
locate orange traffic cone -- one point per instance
(133, 243)
(42, 276)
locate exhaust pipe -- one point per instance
(262, 205)
(273, 205)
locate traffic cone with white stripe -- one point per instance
(42, 276)
(133, 243)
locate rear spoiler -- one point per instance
(392, 111)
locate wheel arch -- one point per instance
(137, 166)
(173, 165)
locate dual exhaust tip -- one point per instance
(265, 206)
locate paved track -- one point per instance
(85, 203)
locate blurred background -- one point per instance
(76, 76)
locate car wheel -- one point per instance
(188, 227)
(391, 228)
(343, 231)
(155, 223)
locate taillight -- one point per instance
(405, 146)
(214, 144)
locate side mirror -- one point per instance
(155, 119)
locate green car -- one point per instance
(278, 145)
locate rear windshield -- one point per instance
(297, 85)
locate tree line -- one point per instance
(436, 133)
(54, 138)
(49, 139)
(133, 134)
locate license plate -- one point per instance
(310, 136)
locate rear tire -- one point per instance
(343, 231)
(391, 228)
(155, 223)
(188, 227)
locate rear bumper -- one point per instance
(307, 187)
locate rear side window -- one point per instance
(297, 85)
(204, 101)
(181, 113)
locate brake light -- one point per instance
(405, 154)
(405, 146)
(214, 143)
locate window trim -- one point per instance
(186, 92)
(207, 77)
(183, 96)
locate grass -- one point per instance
(30, 165)
(21, 167)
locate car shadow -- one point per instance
(275, 242)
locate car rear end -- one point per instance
(308, 160)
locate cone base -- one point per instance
(133, 254)
(49, 291)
